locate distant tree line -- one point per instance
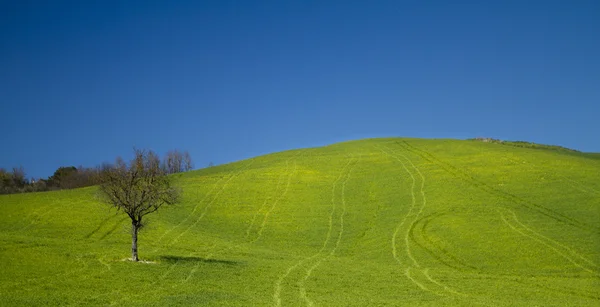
(525, 144)
(71, 177)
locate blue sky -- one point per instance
(82, 82)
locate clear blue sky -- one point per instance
(82, 82)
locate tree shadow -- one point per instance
(172, 258)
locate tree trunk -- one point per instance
(134, 233)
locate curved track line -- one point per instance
(278, 286)
(573, 183)
(215, 185)
(266, 217)
(289, 175)
(303, 294)
(413, 205)
(407, 243)
(256, 213)
(434, 250)
(424, 200)
(538, 237)
(35, 217)
(448, 289)
(416, 264)
(461, 174)
(205, 209)
(407, 274)
(581, 186)
(263, 224)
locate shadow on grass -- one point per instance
(171, 258)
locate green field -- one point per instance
(378, 222)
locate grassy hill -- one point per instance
(371, 222)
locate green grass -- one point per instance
(373, 222)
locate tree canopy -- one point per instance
(137, 188)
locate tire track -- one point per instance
(30, 218)
(256, 213)
(581, 186)
(302, 290)
(35, 217)
(434, 250)
(560, 249)
(289, 175)
(205, 209)
(209, 194)
(456, 172)
(266, 217)
(281, 279)
(426, 283)
(212, 253)
(262, 225)
(573, 183)
(412, 207)
(208, 257)
(540, 209)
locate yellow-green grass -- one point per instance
(373, 222)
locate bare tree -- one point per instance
(187, 161)
(173, 162)
(177, 162)
(138, 188)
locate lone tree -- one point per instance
(140, 188)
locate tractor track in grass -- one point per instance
(205, 209)
(300, 283)
(289, 175)
(560, 249)
(571, 182)
(412, 206)
(516, 200)
(426, 283)
(487, 188)
(434, 250)
(35, 217)
(265, 202)
(274, 204)
(29, 219)
(281, 279)
(530, 281)
(581, 186)
(207, 196)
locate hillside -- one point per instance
(371, 222)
